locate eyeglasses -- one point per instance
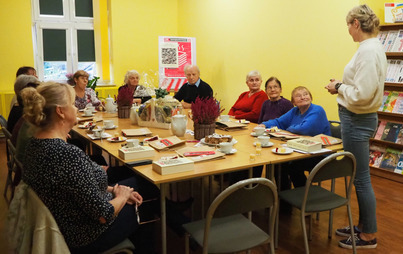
(137, 213)
(273, 87)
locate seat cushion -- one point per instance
(319, 199)
(228, 234)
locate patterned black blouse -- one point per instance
(72, 186)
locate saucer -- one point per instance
(202, 141)
(104, 135)
(253, 134)
(263, 146)
(110, 128)
(113, 140)
(231, 152)
(83, 115)
(287, 150)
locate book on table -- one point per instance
(172, 165)
(137, 152)
(304, 144)
(136, 132)
(164, 143)
(284, 135)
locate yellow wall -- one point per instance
(301, 42)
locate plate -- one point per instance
(232, 151)
(82, 126)
(117, 141)
(234, 141)
(111, 128)
(242, 121)
(287, 150)
(104, 135)
(263, 146)
(87, 116)
(253, 134)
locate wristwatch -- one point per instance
(337, 86)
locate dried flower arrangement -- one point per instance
(125, 96)
(205, 110)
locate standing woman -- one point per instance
(276, 105)
(84, 94)
(359, 97)
(250, 102)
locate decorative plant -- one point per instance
(206, 110)
(125, 96)
(92, 83)
(70, 79)
(160, 92)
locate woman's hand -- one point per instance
(135, 198)
(121, 191)
(331, 86)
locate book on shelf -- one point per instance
(382, 35)
(398, 78)
(390, 40)
(167, 165)
(390, 159)
(398, 45)
(396, 71)
(376, 155)
(381, 128)
(384, 99)
(386, 131)
(399, 166)
(398, 108)
(399, 139)
(393, 132)
(390, 101)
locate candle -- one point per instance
(252, 156)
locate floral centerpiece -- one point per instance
(124, 101)
(204, 114)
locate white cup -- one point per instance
(224, 118)
(259, 130)
(109, 124)
(132, 142)
(87, 112)
(92, 108)
(97, 132)
(225, 147)
(264, 140)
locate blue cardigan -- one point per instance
(311, 123)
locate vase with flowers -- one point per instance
(204, 114)
(124, 101)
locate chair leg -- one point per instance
(330, 232)
(310, 226)
(304, 232)
(187, 243)
(350, 220)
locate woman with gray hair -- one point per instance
(140, 94)
(21, 82)
(250, 103)
(359, 95)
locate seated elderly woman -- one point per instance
(140, 94)
(305, 119)
(84, 95)
(21, 82)
(91, 215)
(276, 105)
(249, 103)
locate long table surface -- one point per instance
(238, 161)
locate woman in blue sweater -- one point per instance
(304, 119)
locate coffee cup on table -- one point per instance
(264, 140)
(108, 124)
(92, 108)
(132, 142)
(224, 118)
(225, 147)
(97, 133)
(259, 130)
(87, 112)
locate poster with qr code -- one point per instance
(174, 54)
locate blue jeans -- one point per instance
(356, 130)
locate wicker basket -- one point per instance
(203, 130)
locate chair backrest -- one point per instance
(334, 166)
(241, 197)
(3, 121)
(335, 128)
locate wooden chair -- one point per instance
(314, 198)
(225, 229)
(11, 169)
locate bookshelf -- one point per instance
(389, 116)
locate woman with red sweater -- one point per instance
(249, 103)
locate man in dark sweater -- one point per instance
(195, 87)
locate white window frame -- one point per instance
(67, 22)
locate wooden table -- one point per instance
(238, 161)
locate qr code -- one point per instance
(169, 56)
